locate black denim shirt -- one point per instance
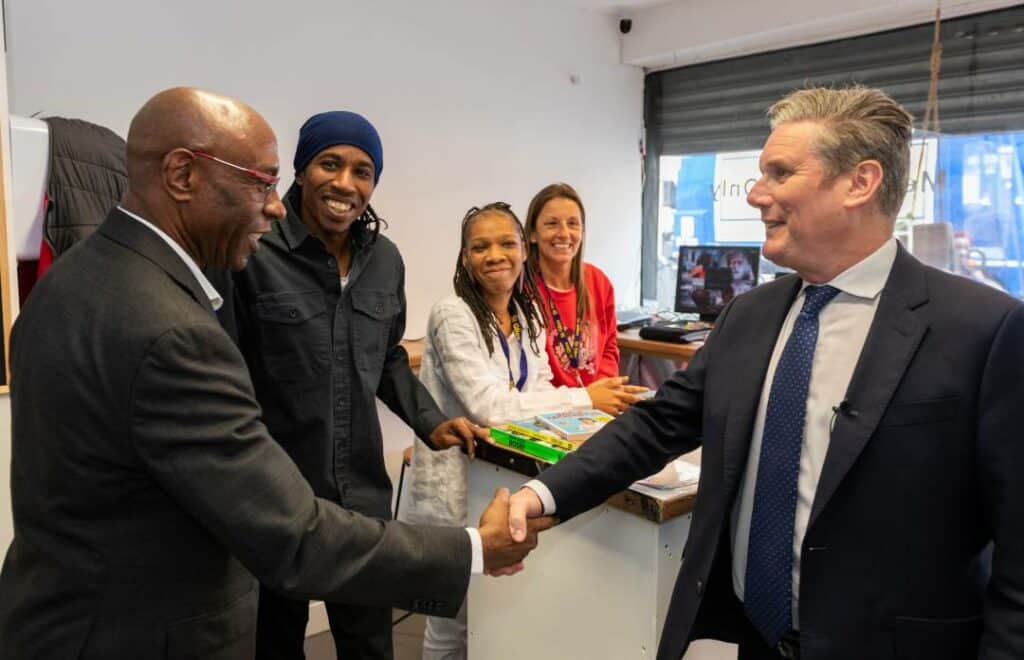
(320, 355)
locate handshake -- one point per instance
(508, 529)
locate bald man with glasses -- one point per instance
(146, 490)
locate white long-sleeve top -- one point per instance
(466, 380)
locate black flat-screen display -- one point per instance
(710, 276)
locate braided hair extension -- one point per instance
(524, 294)
(370, 223)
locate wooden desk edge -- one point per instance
(629, 340)
(649, 508)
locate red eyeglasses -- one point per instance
(269, 181)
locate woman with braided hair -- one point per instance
(484, 357)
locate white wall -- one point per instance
(473, 100)
(684, 32)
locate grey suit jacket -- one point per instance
(146, 491)
(914, 485)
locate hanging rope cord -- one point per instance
(930, 121)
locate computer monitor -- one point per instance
(709, 276)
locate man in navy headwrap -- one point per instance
(319, 314)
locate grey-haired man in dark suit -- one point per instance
(860, 422)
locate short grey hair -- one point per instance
(859, 124)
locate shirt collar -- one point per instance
(215, 298)
(294, 230)
(866, 278)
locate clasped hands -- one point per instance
(509, 528)
(510, 524)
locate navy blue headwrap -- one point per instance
(328, 129)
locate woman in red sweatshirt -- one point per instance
(576, 297)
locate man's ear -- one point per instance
(298, 178)
(179, 176)
(865, 181)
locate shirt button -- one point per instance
(379, 308)
(700, 588)
(332, 264)
(339, 402)
(293, 312)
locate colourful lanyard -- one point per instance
(517, 330)
(571, 345)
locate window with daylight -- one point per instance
(964, 209)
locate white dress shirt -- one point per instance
(466, 380)
(842, 328)
(215, 298)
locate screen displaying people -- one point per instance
(711, 276)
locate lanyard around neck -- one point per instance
(517, 331)
(570, 344)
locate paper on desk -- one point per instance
(677, 474)
(677, 478)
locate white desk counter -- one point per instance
(597, 586)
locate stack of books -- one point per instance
(575, 426)
(550, 436)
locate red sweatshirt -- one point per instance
(599, 354)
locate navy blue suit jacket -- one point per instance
(914, 486)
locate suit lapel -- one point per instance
(128, 232)
(895, 334)
(749, 362)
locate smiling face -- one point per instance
(336, 188)
(803, 211)
(558, 232)
(228, 216)
(494, 253)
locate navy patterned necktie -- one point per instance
(768, 592)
